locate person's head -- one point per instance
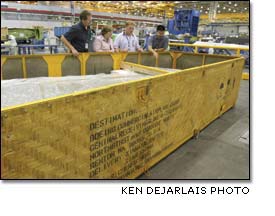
(107, 32)
(85, 17)
(160, 30)
(129, 28)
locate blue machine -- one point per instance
(58, 31)
(185, 21)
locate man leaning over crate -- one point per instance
(78, 38)
(158, 42)
(127, 41)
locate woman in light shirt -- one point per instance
(104, 42)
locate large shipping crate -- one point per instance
(117, 131)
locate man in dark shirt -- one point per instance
(77, 38)
(158, 42)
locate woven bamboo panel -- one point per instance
(115, 132)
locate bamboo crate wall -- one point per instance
(117, 131)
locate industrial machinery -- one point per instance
(26, 35)
(185, 23)
(58, 31)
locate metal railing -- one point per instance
(29, 49)
(197, 46)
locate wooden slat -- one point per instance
(141, 68)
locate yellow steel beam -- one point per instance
(139, 58)
(54, 65)
(24, 67)
(83, 57)
(245, 76)
(228, 16)
(209, 46)
(203, 60)
(3, 60)
(117, 58)
(141, 68)
(175, 56)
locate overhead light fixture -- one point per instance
(235, 5)
(229, 9)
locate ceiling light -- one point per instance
(235, 5)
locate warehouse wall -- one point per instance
(29, 24)
(244, 29)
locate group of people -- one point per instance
(78, 38)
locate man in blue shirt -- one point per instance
(158, 42)
(78, 37)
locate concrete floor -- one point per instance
(220, 152)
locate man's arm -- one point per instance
(165, 45)
(138, 47)
(150, 49)
(160, 50)
(69, 45)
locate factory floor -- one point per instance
(220, 152)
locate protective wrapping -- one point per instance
(19, 91)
